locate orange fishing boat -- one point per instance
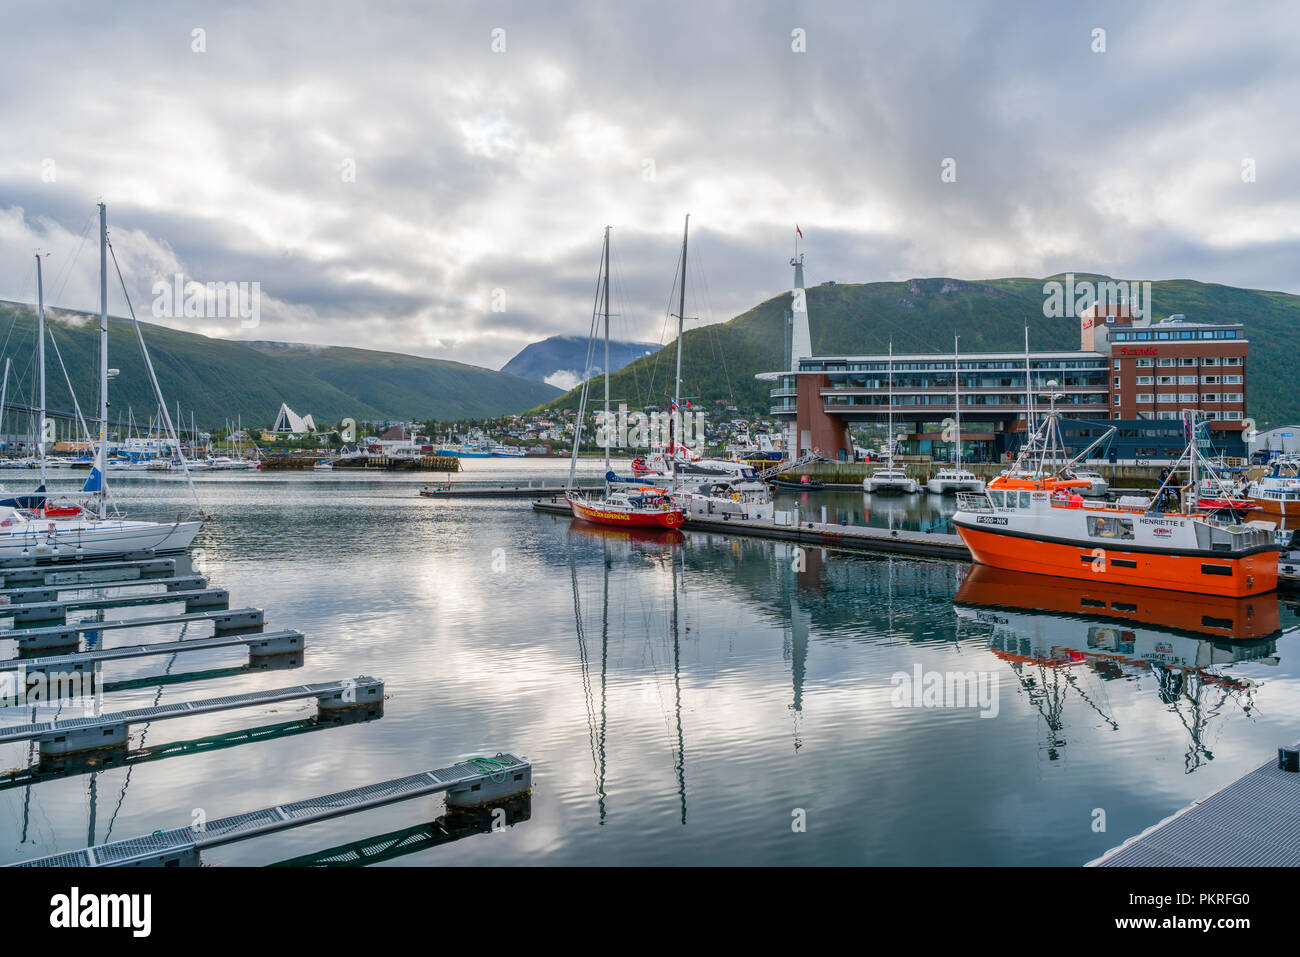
(1042, 524)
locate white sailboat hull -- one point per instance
(88, 537)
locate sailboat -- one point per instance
(890, 478)
(639, 507)
(92, 532)
(955, 479)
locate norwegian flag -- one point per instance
(798, 230)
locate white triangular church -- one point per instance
(290, 421)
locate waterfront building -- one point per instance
(1129, 372)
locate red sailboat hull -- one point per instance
(627, 518)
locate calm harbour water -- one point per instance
(681, 698)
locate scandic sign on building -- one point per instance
(1145, 351)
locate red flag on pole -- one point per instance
(798, 230)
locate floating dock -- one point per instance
(819, 534)
(260, 645)
(459, 490)
(234, 621)
(74, 735)
(57, 611)
(1253, 822)
(474, 782)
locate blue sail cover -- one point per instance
(35, 501)
(94, 481)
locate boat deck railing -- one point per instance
(973, 502)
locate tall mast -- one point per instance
(103, 358)
(607, 429)
(40, 361)
(4, 394)
(889, 437)
(676, 417)
(956, 393)
(1029, 392)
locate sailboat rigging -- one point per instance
(86, 530)
(640, 507)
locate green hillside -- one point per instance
(425, 388)
(222, 380)
(921, 315)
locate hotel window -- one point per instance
(1187, 361)
(1187, 380)
(1232, 397)
(1167, 415)
(1211, 416)
(1117, 364)
(1165, 380)
(1117, 398)
(1167, 397)
(1210, 379)
(1146, 380)
(1210, 362)
(1165, 363)
(1232, 361)
(1187, 397)
(1232, 380)
(1210, 397)
(1145, 363)
(1145, 398)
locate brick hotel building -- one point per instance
(1131, 373)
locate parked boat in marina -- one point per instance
(646, 507)
(1048, 529)
(1277, 492)
(949, 481)
(91, 531)
(954, 478)
(890, 478)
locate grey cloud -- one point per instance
(478, 171)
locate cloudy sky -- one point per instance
(391, 172)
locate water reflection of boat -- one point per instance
(1217, 616)
(596, 698)
(1063, 638)
(618, 533)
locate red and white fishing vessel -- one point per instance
(637, 508)
(626, 507)
(1039, 523)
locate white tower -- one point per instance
(800, 346)
(800, 337)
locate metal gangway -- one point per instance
(806, 459)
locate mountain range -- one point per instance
(222, 380)
(560, 360)
(922, 315)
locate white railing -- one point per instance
(973, 502)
